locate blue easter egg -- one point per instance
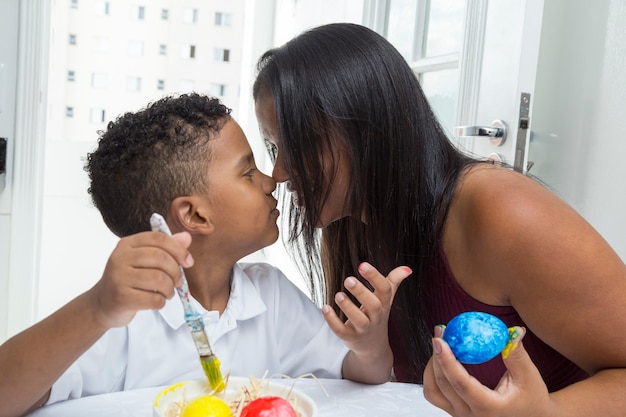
(476, 337)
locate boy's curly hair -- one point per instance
(147, 158)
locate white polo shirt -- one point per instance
(268, 325)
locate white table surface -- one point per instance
(345, 398)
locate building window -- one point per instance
(100, 80)
(223, 19)
(71, 75)
(190, 15)
(160, 84)
(188, 52)
(165, 14)
(137, 12)
(69, 112)
(218, 90)
(135, 48)
(100, 44)
(74, 4)
(133, 83)
(72, 39)
(162, 49)
(103, 8)
(220, 54)
(97, 115)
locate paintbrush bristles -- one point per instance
(211, 366)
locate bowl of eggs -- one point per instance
(243, 397)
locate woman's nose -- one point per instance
(279, 173)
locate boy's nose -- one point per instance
(269, 184)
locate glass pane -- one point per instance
(445, 27)
(401, 26)
(441, 89)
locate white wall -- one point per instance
(8, 66)
(579, 129)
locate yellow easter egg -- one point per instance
(207, 406)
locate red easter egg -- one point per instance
(269, 407)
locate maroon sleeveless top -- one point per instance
(444, 299)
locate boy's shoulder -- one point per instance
(266, 276)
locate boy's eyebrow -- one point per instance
(245, 160)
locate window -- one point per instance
(190, 15)
(72, 39)
(100, 44)
(133, 83)
(160, 84)
(220, 54)
(188, 52)
(97, 115)
(135, 48)
(71, 75)
(69, 112)
(100, 80)
(162, 49)
(74, 4)
(165, 14)
(429, 35)
(137, 12)
(223, 19)
(218, 90)
(102, 8)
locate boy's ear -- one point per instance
(191, 216)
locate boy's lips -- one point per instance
(275, 209)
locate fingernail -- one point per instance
(407, 270)
(515, 335)
(436, 345)
(339, 297)
(350, 282)
(364, 267)
(439, 330)
(188, 261)
(325, 309)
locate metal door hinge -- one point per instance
(3, 163)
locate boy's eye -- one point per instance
(249, 173)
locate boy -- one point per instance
(187, 159)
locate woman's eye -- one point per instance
(272, 150)
(249, 173)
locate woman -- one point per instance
(357, 144)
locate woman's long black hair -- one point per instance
(343, 85)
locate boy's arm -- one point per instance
(32, 360)
(141, 273)
(365, 332)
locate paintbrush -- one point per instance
(209, 361)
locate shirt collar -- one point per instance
(244, 303)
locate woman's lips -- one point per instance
(294, 194)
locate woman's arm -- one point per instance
(510, 241)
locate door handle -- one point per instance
(496, 132)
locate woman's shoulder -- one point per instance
(490, 195)
(496, 218)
